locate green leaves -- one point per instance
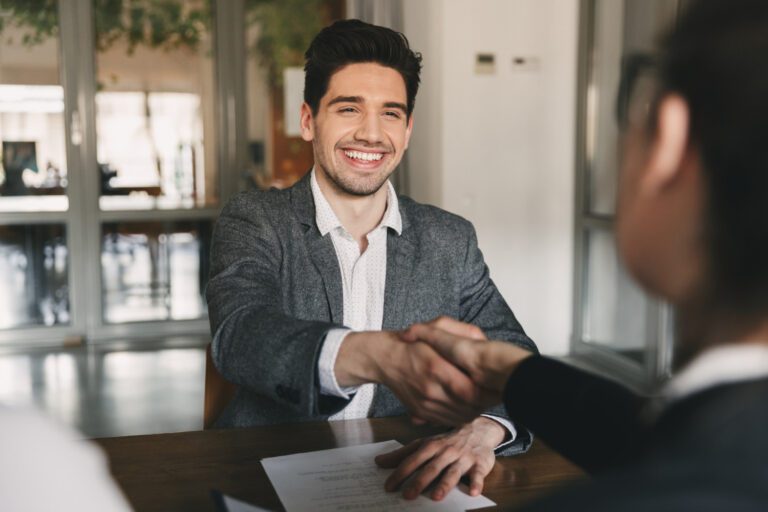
(39, 17)
(286, 29)
(164, 24)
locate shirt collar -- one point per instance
(723, 364)
(326, 218)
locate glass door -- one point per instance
(36, 220)
(109, 181)
(156, 163)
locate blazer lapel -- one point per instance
(400, 251)
(324, 258)
(320, 248)
(400, 263)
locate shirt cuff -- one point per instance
(327, 362)
(508, 426)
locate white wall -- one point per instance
(499, 149)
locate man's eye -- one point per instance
(347, 110)
(393, 114)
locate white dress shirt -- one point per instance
(363, 277)
(722, 364)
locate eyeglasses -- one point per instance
(637, 89)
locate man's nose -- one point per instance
(370, 129)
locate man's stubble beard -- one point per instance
(360, 188)
(354, 187)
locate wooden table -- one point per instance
(169, 472)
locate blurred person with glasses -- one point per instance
(692, 228)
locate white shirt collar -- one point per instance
(722, 364)
(326, 218)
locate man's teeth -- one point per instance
(368, 157)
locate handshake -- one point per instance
(445, 372)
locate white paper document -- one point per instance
(348, 479)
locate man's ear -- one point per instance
(408, 130)
(670, 143)
(307, 124)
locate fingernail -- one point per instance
(438, 495)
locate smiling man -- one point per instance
(310, 286)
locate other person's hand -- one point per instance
(489, 363)
(431, 388)
(444, 459)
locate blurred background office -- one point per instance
(127, 124)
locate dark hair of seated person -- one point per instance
(353, 41)
(716, 58)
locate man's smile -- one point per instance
(365, 156)
(365, 159)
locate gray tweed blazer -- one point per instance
(275, 291)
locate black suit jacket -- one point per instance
(705, 452)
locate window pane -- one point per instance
(154, 270)
(155, 105)
(34, 277)
(639, 22)
(33, 169)
(278, 33)
(615, 315)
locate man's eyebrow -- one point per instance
(359, 100)
(345, 99)
(396, 104)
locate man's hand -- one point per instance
(431, 388)
(444, 459)
(489, 363)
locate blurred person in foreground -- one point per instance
(693, 230)
(45, 466)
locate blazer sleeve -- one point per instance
(482, 305)
(591, 420)
(255, 344)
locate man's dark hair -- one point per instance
(353, 41)
(716, 57)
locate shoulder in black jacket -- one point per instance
(705, 452)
